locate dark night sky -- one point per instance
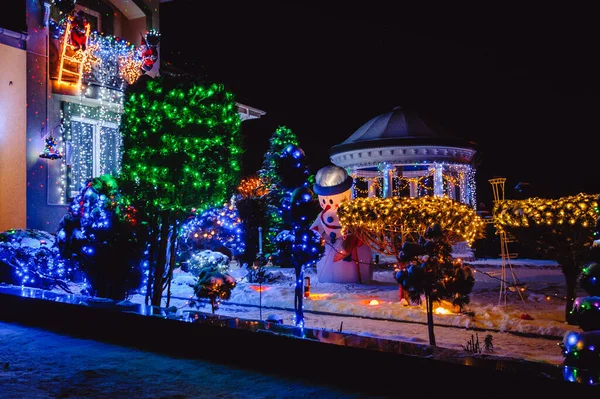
(522, 83)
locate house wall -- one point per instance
(43, 108)
(13, 142)
(132, 30)
(40, 122)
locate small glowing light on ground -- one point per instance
(441, 310)
(318, 297)
(259, 288)
(374, 302)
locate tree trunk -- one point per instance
(571, 283)
(429, 306)
(161, 259)
(152, 257)
(212, 304)
(172, 260)
(298, 295)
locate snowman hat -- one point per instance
(332, 180)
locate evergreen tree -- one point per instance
(580, 348)
(216, 229)
(214, 285)
(281, 138)
(182, 153)
(102, 237)
(431, 271)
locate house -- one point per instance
(64, 67)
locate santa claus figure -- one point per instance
(346, 259)
(149, 53)
(80, 28)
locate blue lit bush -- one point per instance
(29, 257)
(207, 258)
(216, 229)
(102, 236)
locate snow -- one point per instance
(525, 325)
(74, 367)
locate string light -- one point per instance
(253, 186)
(183, 144)
(453, 178)
(385, 223)
(213, 228)
(90, 129)
(580, 209)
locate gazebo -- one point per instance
(399, 153)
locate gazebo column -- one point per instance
(413, 177)
(463, 188)
(438, 180)
(387, 171)
(372, 188)
(412, 186)
(451, 190)
(354, 174)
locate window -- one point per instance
(95, 151)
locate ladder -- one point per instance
(70, 68)
(505, 255)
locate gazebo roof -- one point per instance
(398, 128)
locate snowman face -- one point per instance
(331, 202)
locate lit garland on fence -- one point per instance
(461, 176)
(108, 60)
(385, 223)
(579, 209)
(111, 61)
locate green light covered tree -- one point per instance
(280, 139)
(181, 155)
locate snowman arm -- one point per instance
(317, 226)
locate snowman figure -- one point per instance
(346, 259)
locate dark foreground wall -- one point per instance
(363, 370)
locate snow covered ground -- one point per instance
(524, 325)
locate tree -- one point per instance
(280, 139)
(308, 246)
(580, 348)
(182, 153)
(102, 237)
(251, 203)
(420, 233)
(559, 229)
(431, 271)
(214, 285)
(217, 229)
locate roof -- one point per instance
(399, 127)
